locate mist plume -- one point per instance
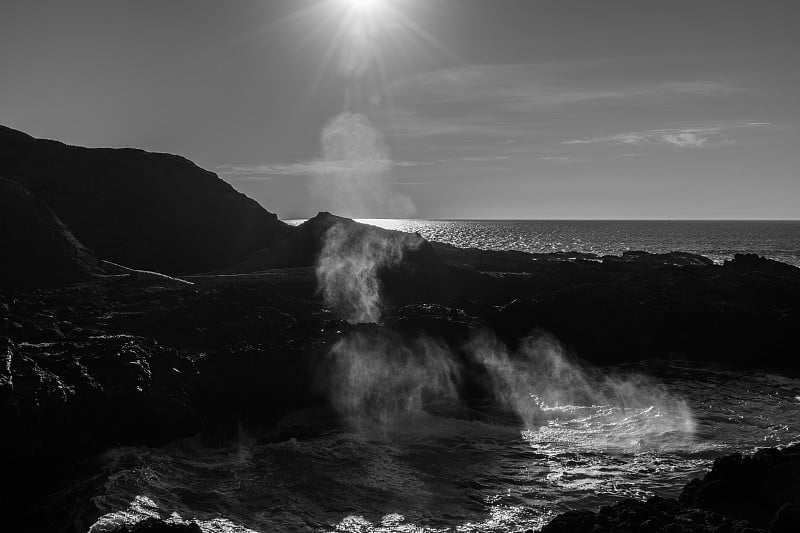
(381, 378)
(349, 265)
(352, 177)
(540, 383)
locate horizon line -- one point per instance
(567, 219)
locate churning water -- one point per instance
(465, 470)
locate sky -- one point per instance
(431, 108)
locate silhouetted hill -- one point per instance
(141, 209)
(302, 247)
(38, 250)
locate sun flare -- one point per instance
(358, 12)
(361, 6)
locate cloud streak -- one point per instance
(493, 101)
(343, 166)
(679, 137)
(314, 167)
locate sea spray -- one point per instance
(544, 386)
(352, 178)
(349, 264)
(381, 378)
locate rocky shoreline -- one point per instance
(137, 360)
(741, 494)
(100, 349)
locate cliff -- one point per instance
(38, 249)
(144, 210)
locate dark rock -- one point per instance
(437, 321)
(750, 488)
(656, 515)
(579, 521)
(407, 266)
(66, 400)
(739, 495)
(250, 386)
(666, 259)
(144, 210)
(755, 263)
(303, 247)
(154, 525)
(787, 520)
(38, 249)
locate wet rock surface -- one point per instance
(153, 525)
(656, 515)
(752, 488)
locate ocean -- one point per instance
(716, 239)
(430, 471)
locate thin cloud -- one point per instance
(315, 167)
(680, 137)
(529, 86)
(495, 103)
(484, 159)
(684, 140)
(557, 158)
(320, 167)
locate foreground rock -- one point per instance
(739, 495)
(126, 362)
(751, 488)
(153, 525)
(144, 210)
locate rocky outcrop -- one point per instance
(38, 250)
(751, 488)
(755, 263)
(140, 361)
(66, 400)
(303, 247)
(154, 525)
(739, 495)
(656, 515)
(144, 210)
(612, 309)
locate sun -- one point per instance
(362, 6)
(365, 10)
(365, 36)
